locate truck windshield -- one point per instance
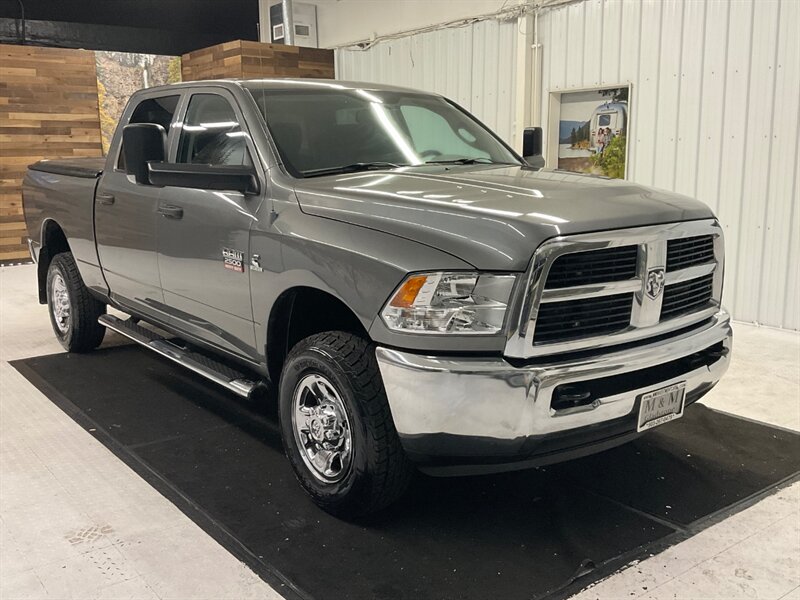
(323, 131)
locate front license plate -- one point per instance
(660, 406)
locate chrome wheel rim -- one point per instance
(321, 428)
(59, 300)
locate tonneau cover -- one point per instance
(88, 168)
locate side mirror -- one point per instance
(205, 177)
(532, 146)
(141, 143)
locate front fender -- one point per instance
(359, 266)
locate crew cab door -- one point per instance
(126, 218)
(203, 235)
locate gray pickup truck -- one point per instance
(413, 292)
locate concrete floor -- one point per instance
(75, 522)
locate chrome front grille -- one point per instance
(606, 288)
(687, 252)
(583, 268)
(687, 297)
(572, 319)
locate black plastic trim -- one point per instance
(84, 168)
(209, 177)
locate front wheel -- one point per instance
(73, 310)
(337, 427)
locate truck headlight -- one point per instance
(455, 302)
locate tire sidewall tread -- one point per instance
(84, 332)
(380, 471)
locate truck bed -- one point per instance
(61, 192)
(87, 168)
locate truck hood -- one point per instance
(491, 217)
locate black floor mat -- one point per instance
(519, 535)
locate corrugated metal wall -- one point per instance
(714, 115)
(473, 65)
(715, 107)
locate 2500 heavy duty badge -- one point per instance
(233, 260)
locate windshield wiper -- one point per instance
(352, 168)
(468, 161)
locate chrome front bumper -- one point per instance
(465, 415)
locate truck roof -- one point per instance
(288, 84)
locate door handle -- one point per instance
(104, 198)
(170, 211)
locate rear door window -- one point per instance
(159, 110)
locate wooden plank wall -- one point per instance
(249, 60)
(48, 109)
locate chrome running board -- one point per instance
(227, 377)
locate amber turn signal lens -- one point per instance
(405, 296)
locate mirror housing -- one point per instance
(205, 177)
(532, 146)
(141, 143)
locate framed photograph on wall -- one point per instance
(592, 131)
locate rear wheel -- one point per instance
(337, 427)
(73, 310)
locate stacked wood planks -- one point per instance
(250, 60)
(48, 109)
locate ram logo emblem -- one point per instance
(654, 284)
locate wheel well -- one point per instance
(299, 313)
(53, 242)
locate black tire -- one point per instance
(80, 332)
(379, 471)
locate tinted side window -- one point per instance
(153, 110)
(211, 133)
